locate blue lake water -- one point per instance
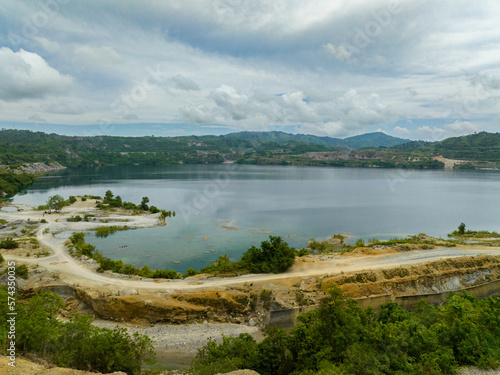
(297, 203)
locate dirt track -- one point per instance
(74, 272)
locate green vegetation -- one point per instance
(223, 266)
(22, 271)
(105, 231)
(461, 232)
(372, 150)
(56, 202)
(1, 259)
(341, 338)
(273, 256)
(78, 247)
(111, 202)
(336, 243)
(11, 183)
(8, 243)
(77, 343)
(461, 228)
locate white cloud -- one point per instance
(462, 127)
(284, 62)
(432, 134)
(65, 107)
(48, 45)
(36, 118)
(184, 83)
(340, 52)
(401, 131)
(105, 55)
(27, 75)
(197, 115)
(329, 129)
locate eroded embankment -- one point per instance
(434, 277)
(241, 303)
(221, 306)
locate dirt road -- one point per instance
(74, 272)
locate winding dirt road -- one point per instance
(73, 271)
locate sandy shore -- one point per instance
(74, 272)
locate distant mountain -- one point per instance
(373, 140)
(282, 137)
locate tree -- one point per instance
(273, 256)
(461, 228)
(144, 203)
(108, 196)
(56, 202)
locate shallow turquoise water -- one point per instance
(295, 202)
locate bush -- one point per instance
(274, 256)
(43, 221)
(105, 231)
(190, 272)
(77, 343)
(84, 199)
(22, 271)
(302, 252)
(359, 243)
(341, 338)
(9, 243)
(1, 259)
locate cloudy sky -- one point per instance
(415, 69)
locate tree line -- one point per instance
(341, 338)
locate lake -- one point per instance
(225, 209)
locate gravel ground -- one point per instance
(476, 371)
(177, 345)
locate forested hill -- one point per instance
(475, 147)
(23, 146)
(18, 147)
(368, 140)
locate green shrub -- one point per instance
(341, 338)
(22, 271)
(190, 272)
(302, 252)
(105, 231)
(274, 256)
(9, 243)
(77, 343)
(359, 243)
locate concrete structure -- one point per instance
(287, 318)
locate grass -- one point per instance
(336, 243)
(474, 234)
(106, 231)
